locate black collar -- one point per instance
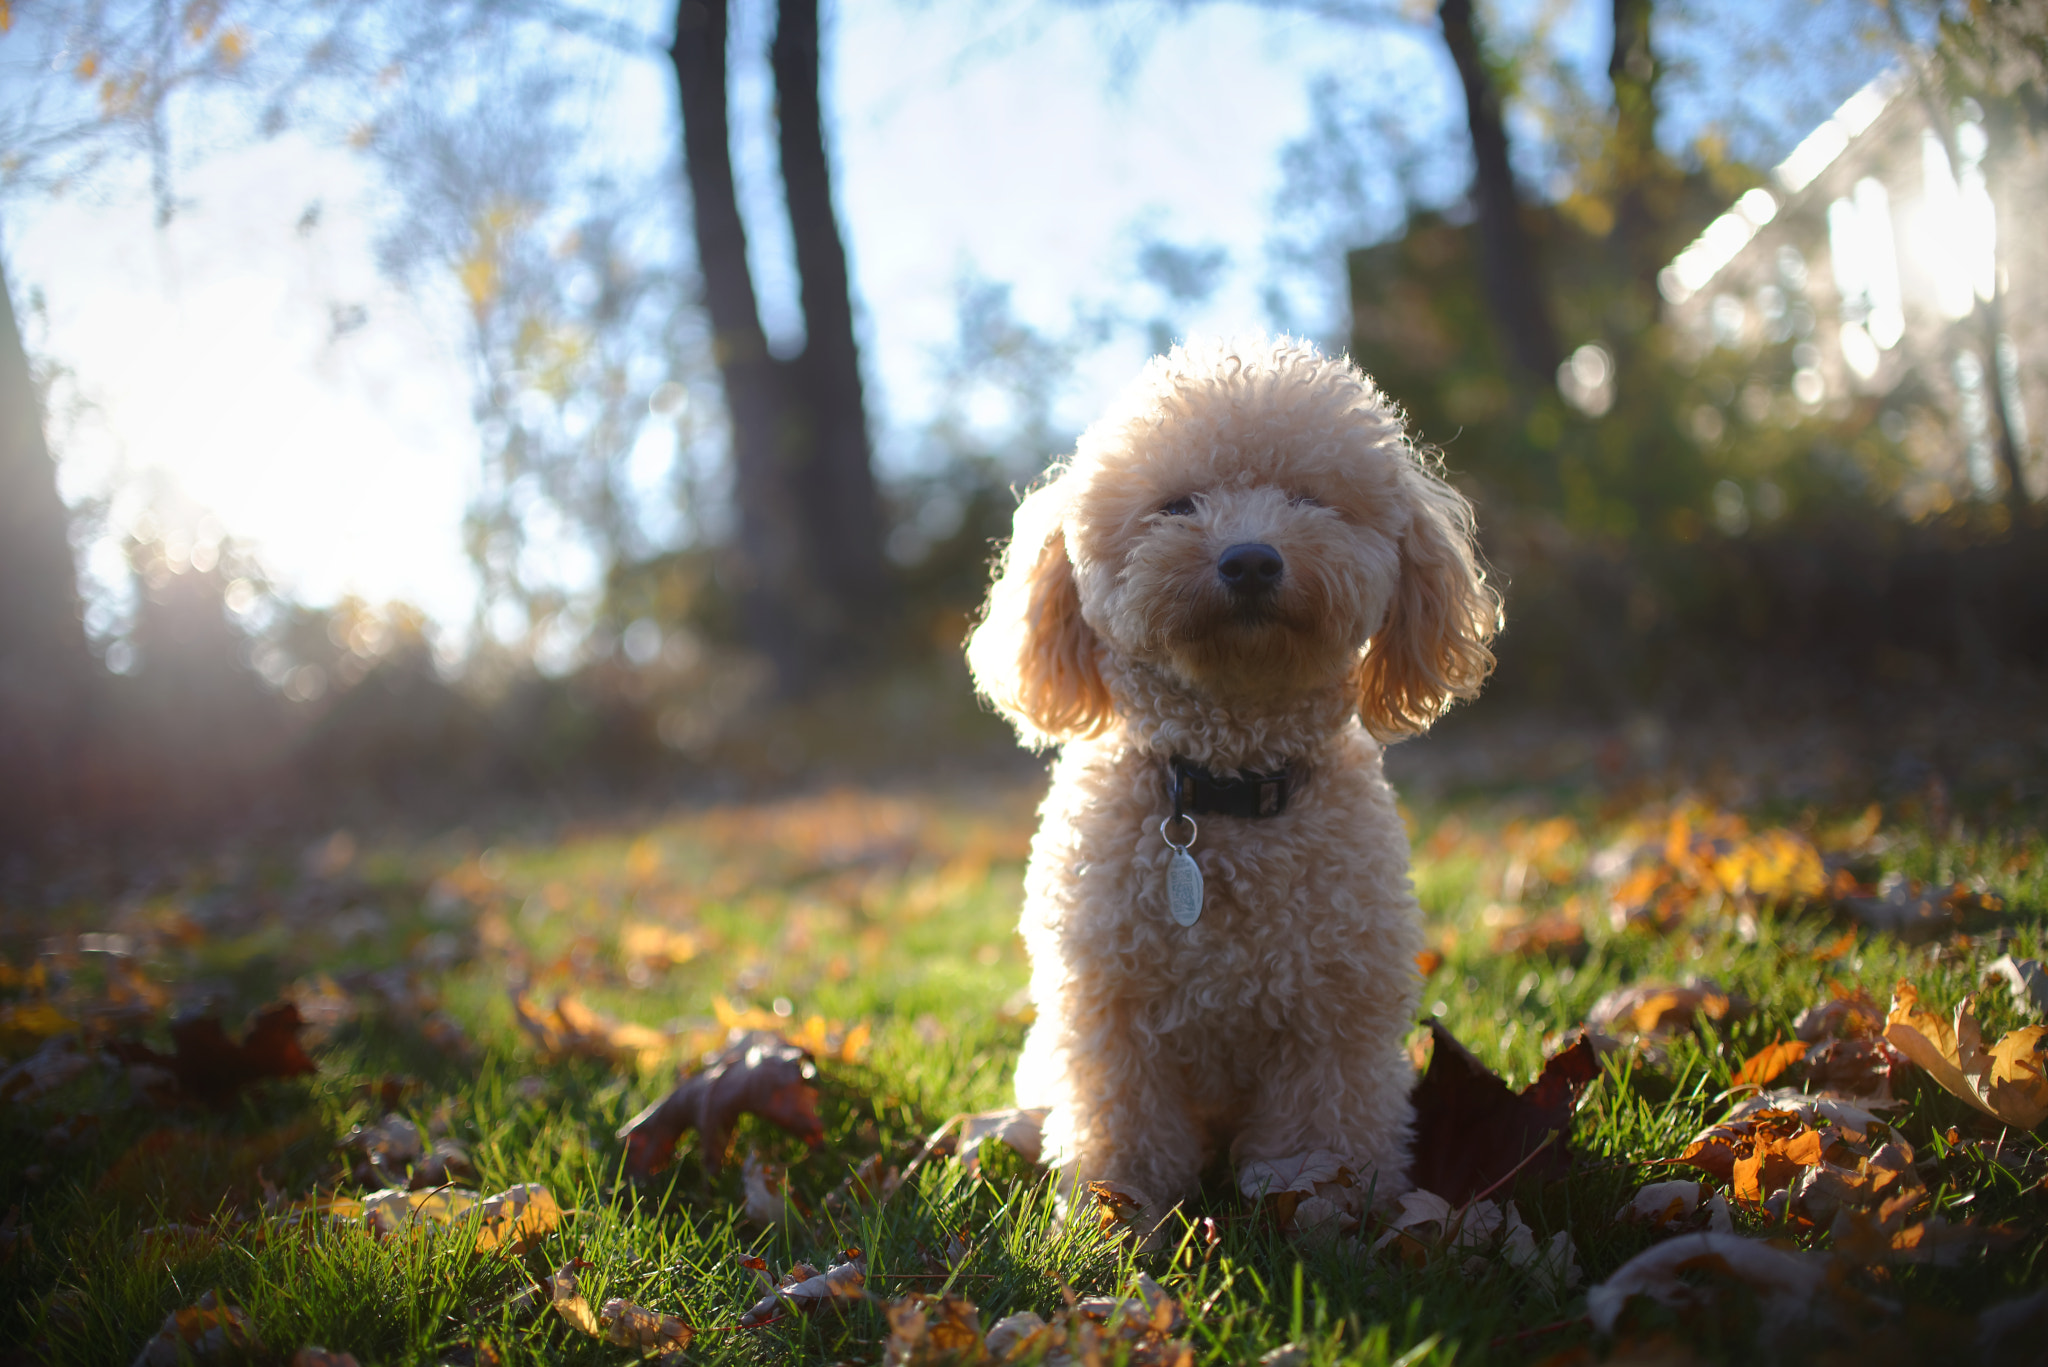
(1197, 792)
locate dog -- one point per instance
(1243, 582)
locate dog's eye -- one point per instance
(1183, 506)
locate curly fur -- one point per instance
(1274, 1024)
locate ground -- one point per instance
(874, 925)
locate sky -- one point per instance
(1032, 144)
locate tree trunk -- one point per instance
(45, 669)
(773, 597)
(812, 579)
(1508, 265)
(1632, 71)
(841, 512)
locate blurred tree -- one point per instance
(46, 672)
(1508, 261)
(1994, 56)
(580, 330)
(812, 584)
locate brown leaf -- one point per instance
(805, 1288)
(1471, 1130)
(1428, 961)
(213, 1068)
(927, 1331)
(759, 1072)
(1766, 1063)
(649, 1331)
(565, 1295)
(206, 1331)
(2007, 1081)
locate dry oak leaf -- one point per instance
(758, 1072)
(805, 1288)
(206, 1331)
(1791, 1288)
(213, 1068)
(573, 1030)
(2007, 1081)
(1471, 1130)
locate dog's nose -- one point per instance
(1250, 567)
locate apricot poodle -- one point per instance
(1242, 583)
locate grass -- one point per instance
(897, 909)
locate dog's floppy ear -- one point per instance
(1432, 648)
(1032, 655)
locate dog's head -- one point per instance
(1252, 521)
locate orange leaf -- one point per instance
(1429, 961)
(1836, 949)
(1769, 1061)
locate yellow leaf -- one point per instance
(518, 1218)
(479, 276)
(2007, 1081)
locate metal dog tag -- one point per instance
(1184, 888)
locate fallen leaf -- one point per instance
(206, 1331)
(1471, 1130)
(396, 1210)
(1307, 1191)
(927, 1331)
(2006, 1081)
(570, 1029)
(1426, 1225)
(1660, 1009)
(1428, 961)
(806, 1289)
(635, 1326)
(1791, 1288)
(1015, 1337)
(758, 1072)
(1763, 1067)
(213, 1068)
(314, 1356)
(2025, 978)
(517, 1218)
(1673, 1203)
(1906, 908)
(566, 1297)
(1022, 1129)
(57, 1062)
(869, 1184)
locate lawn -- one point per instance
(876, 929)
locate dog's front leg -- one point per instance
(1119, 1110)
(1347, 1097)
